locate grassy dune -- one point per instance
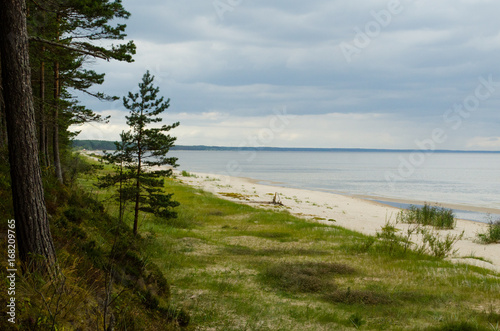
(235, 267)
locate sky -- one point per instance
(410, 74)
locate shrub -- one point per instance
(442, 218)
(437, 246)
(492, 235)
(184, 173)
(432, 243)
(392, 242)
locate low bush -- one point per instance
(440, 247)
(492, 235)
(395, 244)
(439, 217)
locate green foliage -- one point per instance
(492, 235)
(305, 277)
(432, 243)
(104, 272)
(392, 242)
(184, 173)
(357, 320)
(75, 165)
(94, 145)
(234, 268)
(458, 326)
(436, 245)
(139, 150)
(428, 215)
(364, 297)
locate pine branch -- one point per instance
(53, 43)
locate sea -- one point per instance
(399, 179)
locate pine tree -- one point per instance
(146, 147)
(120, 158)
(32, 223)
(63, 35)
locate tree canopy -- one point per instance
(140, 150)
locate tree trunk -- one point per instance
(3, 124)
(138, 187)
(55, 137)
(32, 225)
(137, 196)
(41, 116)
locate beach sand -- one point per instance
(353, 213)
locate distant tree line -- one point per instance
(94, 145)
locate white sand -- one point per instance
(352, 213)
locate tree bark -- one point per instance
(3, 124)
(41, 113)
(138, 193)
(32, 226)
(138, 183)
(55, 137)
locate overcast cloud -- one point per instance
(366, 74)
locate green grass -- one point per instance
(438, 217)
(492, 235)
(235, 267)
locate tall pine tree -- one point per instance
(146, 147)
(32, 224)
(63, 35)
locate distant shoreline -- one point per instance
(109, 145)
(464, 211)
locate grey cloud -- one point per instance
(266, 54)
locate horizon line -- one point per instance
(312, 149)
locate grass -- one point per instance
(184, 173)
(438, 217)
(304, 277)
(492, 235)
(235, 267)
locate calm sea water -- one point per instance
(458, 178)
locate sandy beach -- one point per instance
(353, 213)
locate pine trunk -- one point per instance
(32, 225)
(55, 137)
(138, 183)
(41, 114)
(3, 124)
(137, 196)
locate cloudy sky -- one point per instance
(317, 73)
